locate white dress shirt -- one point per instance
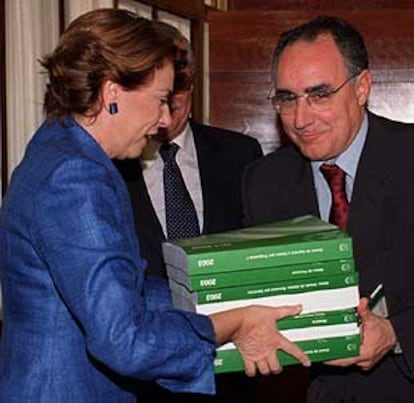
(152, 168)
(348, 162)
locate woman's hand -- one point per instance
(253, 330)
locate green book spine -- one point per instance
(318, 319)
(265, 275)
(267, 256)
(297, 241)
(274, 288)
(317, 350)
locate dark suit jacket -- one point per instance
(381, 222)
(222, 157)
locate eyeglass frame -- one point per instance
(328, 94)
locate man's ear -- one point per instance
(363, 87)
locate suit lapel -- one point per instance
(298, 190)
(306, 191)
(371, 180)
(211, 191)
(146, 220)
(366, 212)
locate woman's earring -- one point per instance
(113, 108)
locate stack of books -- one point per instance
(303, 260)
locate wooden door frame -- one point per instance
(3, 121)
(196, 12)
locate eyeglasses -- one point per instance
(318, 98)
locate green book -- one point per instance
(311, 301)
(266, 289)
(257, 276)
(296, 241)
(321, 349)
(320, 332)
(314, 319)
(315, 301)
(313, 333)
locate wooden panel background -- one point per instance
(241, 47)
(317, 4)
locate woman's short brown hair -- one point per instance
(104, 44)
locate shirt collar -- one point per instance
(348, 160)
(184, 140)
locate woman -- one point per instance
(76, 327)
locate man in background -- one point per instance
(352, 168)
(187, 183)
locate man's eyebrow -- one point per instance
(319, 87)
(314, 88)
(282, 91)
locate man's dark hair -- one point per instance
(348, 40)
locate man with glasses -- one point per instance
(352, 168)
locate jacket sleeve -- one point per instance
(397, 257)
(86, 237)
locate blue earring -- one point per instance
(113, 108)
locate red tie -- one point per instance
(335, 177)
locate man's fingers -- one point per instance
(343, 362)
(363, 308)
(365, 365)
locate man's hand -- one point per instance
(378, 338)
(254, 332)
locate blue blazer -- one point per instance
(76, 326)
